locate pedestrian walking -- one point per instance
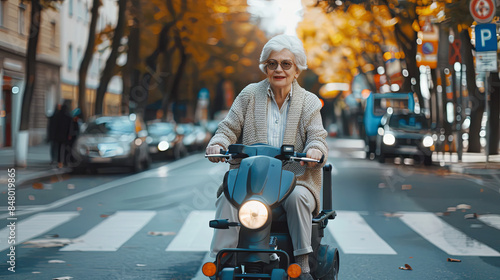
(58, 134)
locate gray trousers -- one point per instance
(298, 206)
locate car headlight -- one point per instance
(253, 214)
(428, 141)
(389, 139)
(163, 146)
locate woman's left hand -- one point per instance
(314, 154)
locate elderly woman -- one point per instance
(277, 111)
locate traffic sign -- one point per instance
(486, 61)
(486, 37)
(482, 11)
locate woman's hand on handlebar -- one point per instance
(314, 154)
(212, 150)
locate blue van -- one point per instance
(376, 106)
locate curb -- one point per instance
(24, 178)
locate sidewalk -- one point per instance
(39, 166)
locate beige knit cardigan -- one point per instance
(246, 123)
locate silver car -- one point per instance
(107, 141)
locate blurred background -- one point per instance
(185, 61)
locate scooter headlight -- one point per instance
(253, 214)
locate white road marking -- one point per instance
(113, 232)
(355, 236)
(493, 220)
(444, 236)
(34, 226)
(195, 235)
(157, 172)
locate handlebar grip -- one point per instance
(303, 155)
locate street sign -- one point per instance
(486, 37)
(486, 61)
(482, 11)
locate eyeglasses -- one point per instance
(273, 64)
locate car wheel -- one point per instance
(381, 158)
(138, 163)
(428, 160)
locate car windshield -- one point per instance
(112, 126)
(409, 122)
(160, 128)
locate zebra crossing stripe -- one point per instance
(34, 226)
(444, 236)
(493, 220)
(112, 233)
(355, 236)
(195, 235)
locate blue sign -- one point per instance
(486, 37)
(203, 94)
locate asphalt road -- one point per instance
(153, 225)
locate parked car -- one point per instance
(107, 141)
(195, 138)
(404, 134)
(163, 139)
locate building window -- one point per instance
(53, 32)
(70, 8)
(2, 9)
(21, 23)
(70, 57)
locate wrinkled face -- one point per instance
(281, 78)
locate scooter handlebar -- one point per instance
(296, 157)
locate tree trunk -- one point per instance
(131, 73)
(21, 149)
(174, 93)
(110, 67)
(494, 121)
(476, 99)
(86, 60)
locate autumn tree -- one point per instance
(87, 58)
(37, 6)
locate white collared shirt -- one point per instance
(276, 118)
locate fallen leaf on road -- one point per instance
(50, 242)
(71, 186)
(392, 215)
(406, 267)
(463, 207)
(453, 260)
(31, 197)
(79, 208)
(63, 278)
(406, 187)
(38, 186)
(161, 233)
(381, 185)
(104, 216)
(471, 216)
(57, 261)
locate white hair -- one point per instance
(280, 42)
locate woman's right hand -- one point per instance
(212, 150)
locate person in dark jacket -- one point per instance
(58, 131)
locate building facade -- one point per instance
(75, 19)
(14, 35)
(62, 42)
